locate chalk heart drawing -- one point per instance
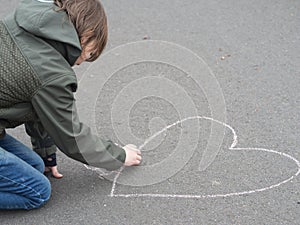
(233, 147)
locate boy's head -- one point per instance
(89, 19)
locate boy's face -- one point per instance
(86, 54)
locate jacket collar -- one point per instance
(43, 19)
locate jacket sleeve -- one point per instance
(41, 142)
(55, 106)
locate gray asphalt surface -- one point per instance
(252, 48)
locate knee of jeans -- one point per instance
(41, 196)
(40, 166)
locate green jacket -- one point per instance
(38, 46)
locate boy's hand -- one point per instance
(53, 171)
(51, 165)
(133, 155)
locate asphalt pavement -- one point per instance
(209, 90)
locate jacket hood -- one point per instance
(42, 19)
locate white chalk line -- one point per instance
(115, 182)
(218, 195)
(45, 1)
(232, 147)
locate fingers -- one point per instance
(137, 161)
(139, 158)
(133, 155)
(55, 172)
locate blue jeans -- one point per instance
(22, 182)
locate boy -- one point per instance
(39, 43)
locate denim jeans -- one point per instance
(22, 182)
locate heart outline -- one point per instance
(232, 148)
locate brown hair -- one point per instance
(89, 19)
